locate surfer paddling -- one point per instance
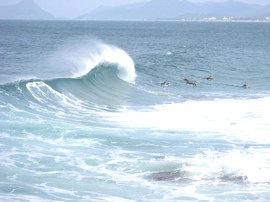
(188, 82)
(245, 85)
(164, 83)
(209, 78)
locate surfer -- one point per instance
(188, 82)
(209, 78)
(164, 83)
(245, 85)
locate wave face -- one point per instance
(102, 77)
(101, 54)
(79, 121)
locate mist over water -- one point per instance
(83, 115)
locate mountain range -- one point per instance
(151, 10)
(179, 9)
(26, 10)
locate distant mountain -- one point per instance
(179, 9)
(25, 9)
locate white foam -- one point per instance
(44, 94)
(104, 53)
(247, 165)
(169, 53)
(247, 120)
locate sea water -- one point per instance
(84, 117)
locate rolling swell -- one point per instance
(103, 82)
(101, 86)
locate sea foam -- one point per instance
(239, 119)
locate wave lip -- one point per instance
(104, 53)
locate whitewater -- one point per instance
(84, 115)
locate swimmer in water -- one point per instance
(245, 85)
(188, 82)
(165, 83)
(209, 78)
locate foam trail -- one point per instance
(44, 94)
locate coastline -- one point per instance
(221, 20)
(266, 20)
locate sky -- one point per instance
(75, 8)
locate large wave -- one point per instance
(100, 74)
(77, 60)
(103, 53)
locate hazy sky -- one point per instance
(74, 8)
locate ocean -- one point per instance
(134, 111)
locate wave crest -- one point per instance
(104, 53)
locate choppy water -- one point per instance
(83, 116)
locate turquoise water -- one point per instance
(83, 116)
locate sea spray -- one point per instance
(111, 54)
(77, 60)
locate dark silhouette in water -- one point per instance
(209, 78)
(163, 176)
(168, 176)
(245, 85)
(180, 177)
(165, 83)
(188, 82)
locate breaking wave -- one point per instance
(102, 75)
